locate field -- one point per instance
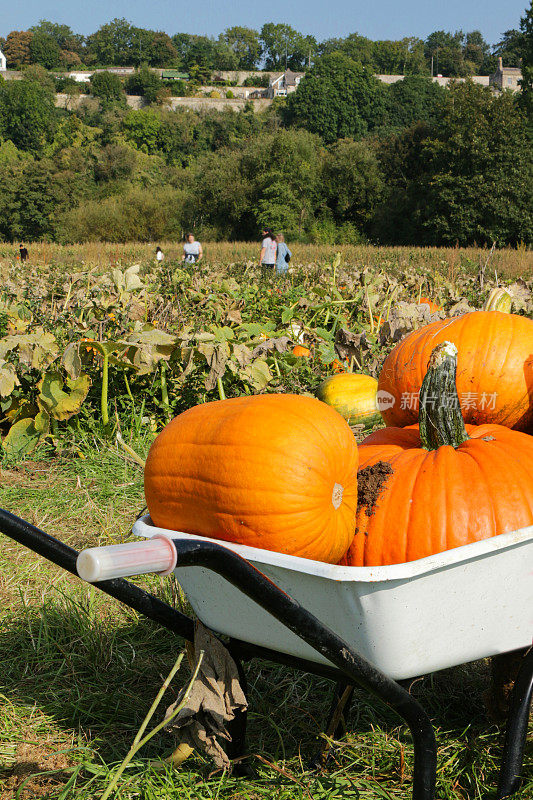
(97, 340)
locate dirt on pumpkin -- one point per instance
(370, 482)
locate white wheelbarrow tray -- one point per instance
(407, 619)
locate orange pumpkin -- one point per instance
(277, 472)
(425, 489)
(299, 350)
(494, 369)
(433, 306)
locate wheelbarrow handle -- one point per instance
(157, 554)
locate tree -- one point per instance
(284, 47)
(511, 48)
(146, 83)
(142, 130)
(337, 98)
(162, 52)
(405, 56)
(114, 162)
(107, 87)
(200, 55)
(17, 48)
(27, 114)
(69, 59)
(415, 62)
(414, 99)
(445, 51)
(526, 28)
(284, 170)
(44, 50)
(389, 57)
(38, 74)
(466, 180)
(476, 52)
(112, 43)
(12, 165)
(352, 182)
(64, 36)
(271, 179)
(244, 42)
(356, 47)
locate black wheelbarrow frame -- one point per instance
(350, 669)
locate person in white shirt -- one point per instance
(192, 250)
(159, 255)
(269, 247)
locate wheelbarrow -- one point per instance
(372, 627)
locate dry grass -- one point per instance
(508, 263)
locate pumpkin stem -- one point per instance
(439, 418)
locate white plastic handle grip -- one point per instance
(157, 554)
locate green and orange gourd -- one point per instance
(353, 395)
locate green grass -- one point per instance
(79, 672)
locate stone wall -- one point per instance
(239, 76)
(197, 103)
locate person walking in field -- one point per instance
(159, 255)
(283, 255)
(269, 246)
(192, 250)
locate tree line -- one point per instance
(345, 158)
(275, 47)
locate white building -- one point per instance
(284, 83)
(3, 65)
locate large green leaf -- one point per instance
(24, 435)
(58, 403)
(148, 346)
(128, 280)
(36, 350)
(257, 374)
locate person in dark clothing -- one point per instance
(23, 253)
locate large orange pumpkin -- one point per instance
(277, 472)
(425, 489)
(494, 369)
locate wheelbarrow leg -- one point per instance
(336, 721)
(237, 727)
(236, 747)
(516, 731)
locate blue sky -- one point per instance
(388, 19)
